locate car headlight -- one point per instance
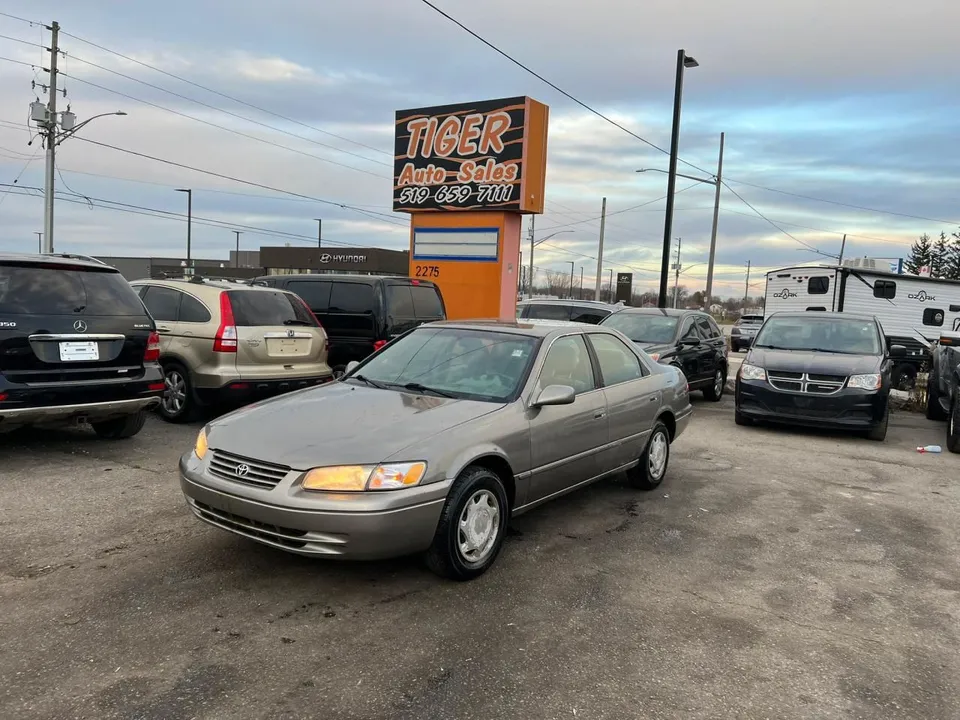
(865, 382)
(200, 448)
(357, 478)
(752, 372)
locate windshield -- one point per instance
(642, 328)
(750, 320)
(471, 364)
(53, 290)
(824, 334)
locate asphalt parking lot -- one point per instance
(775, 574)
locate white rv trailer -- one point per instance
(912, 309)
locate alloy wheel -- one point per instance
(478, 527)
(174, 392)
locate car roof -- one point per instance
(822, 313)
(539, 329)
(666, 312)
(569, 301)
(64, 259)
(345, 277)
(197, 285)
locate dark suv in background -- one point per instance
(362, 313)
(744, 331)
(76, 345)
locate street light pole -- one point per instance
(189, 193)
(571, 277)
(611, 285)
(683, 61)
(581, 282)
(713, 231)
(237, 261)
(676, 282)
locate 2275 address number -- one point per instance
(427, 271)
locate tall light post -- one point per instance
(683, 61)
(533, 244)
(571, 277)
(610, 270)
(581, 282)
(237, 261)
(189, 193)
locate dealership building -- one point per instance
(282, 260)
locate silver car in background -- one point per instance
(434, 442)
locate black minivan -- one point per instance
(362, 313)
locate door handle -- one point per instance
(599, 414)
(162, 329)
(653, 398)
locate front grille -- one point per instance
(286, 537)
(246, 471)
(811, 383)
(804, 412)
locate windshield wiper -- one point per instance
(368, 381)
(298, 322)
(417, 387)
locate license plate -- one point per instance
(79, 351)
(287, 346)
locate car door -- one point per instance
(567, 440)
(163, 303)
(688, 355)
(632, 395)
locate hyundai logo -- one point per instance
(242, 470)
(80, 326)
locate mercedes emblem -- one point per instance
(242, 470)
(80, 326)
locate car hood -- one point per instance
(813, 362)
(339, 424)
(652, 348)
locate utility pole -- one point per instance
(530, 273)
(319, 233)
(581, 282)
(716, 218)
(237, 261)
(612, 296)
(746, 289)
(843, 244)
(676, 280)
(51, 139)
(39, 242)
(571, 277)
(603, 219)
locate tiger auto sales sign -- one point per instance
(488, 155)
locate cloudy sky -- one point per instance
(845, 101)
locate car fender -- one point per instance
(467, 457)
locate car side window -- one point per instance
(568, 363)
(618, 364)
(688, 329)
(348, 297)
(548, 312)
(706, 332)
(163, 303)
(193, 311)
(714, 328)
(587, 315)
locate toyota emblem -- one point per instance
(242, 470)
(80, 326)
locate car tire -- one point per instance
(715, 391)
(879, 432)
(934, 410)
(652, 468)
(740, 419)
(904, 377)
(121, 428)
(953, 425)
(477, 496)
(178, 404)
(735, 347)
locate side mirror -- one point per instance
(898, 351)
(351, 366)
(555, 395)
(690, 341)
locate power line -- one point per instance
(226, 112)
(251, 183)
(23, 20)
(618, 212)
(224, 95)
(222, 127)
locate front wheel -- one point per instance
(953, 425)
(715, 391)
(649, 473)
(121, 428)
(934, 409)
(177, 404)
(879, 432)
(740, 419)
(472, 526)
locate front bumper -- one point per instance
(345, 526)
(848, 408)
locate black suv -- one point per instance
(943, 384)
(76, 345)
(688, 339)
(362, 313)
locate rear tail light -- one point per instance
(378, 345)
(152, 353)
(226, 338)
(3, 396)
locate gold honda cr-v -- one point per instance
(227, 343)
